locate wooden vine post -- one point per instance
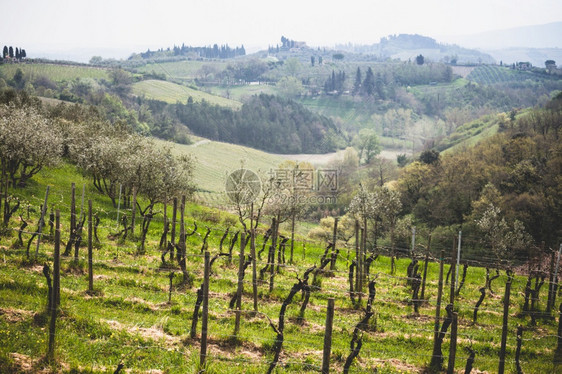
(205, 314)
(422, 296)
(357, 257)
(328, 337)
(90, 249)
(271, 257)
(435, 359)
(334, 251)
(56, 292)
(41, 220)
(133, 213)
(240, 288)
(173, 229)
(452, 270)
(293, 217)
(558, 352)
(453, 345)
(360, 266)
(501, 367)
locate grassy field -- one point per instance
(240, 93)
(181, 70)
(490, 74)
(214, 160)
(349, 110)
(55, 72)
(172, 93)
(129, 320)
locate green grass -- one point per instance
(129, 320)
(55, 72)
(349, 110)
(240, 93)
(490, 74)
(469, 134)
(172, 93)
(214, 160)
(181, 70)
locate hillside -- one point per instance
(136, 313)
(171, 93)
(215, 160)
(406, 47)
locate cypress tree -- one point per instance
(369, 83)
(357, 83)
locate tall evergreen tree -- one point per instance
(369, 83)
(11, 52)
(5, 52)
(357, 83)
(379, 86)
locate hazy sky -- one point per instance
(136, 25)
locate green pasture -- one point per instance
(173, 93)
(55, 72)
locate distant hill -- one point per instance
(537, 36)
(534, 44)
(407, 47)
(536, 56)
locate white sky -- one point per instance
(136, 25)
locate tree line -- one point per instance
(264, 122)
(11, 53)
(215, 51)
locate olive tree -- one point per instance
(157, 175)
(102, 156)
(502, 237)
(28, 142)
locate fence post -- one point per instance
(518, 349)
(240, 288)
(555, 287)
(434, 359)
(361, 268)
(504, 325)
(133, 212)
(72, 209)
(173, 229)
(453, 345)
(458, 260)
(41, 220)
(205, 314)
(558, 352)
(363, 254)
(357, 256)
(292, 237)
(328, 337)
(56, 291)
(90, 250)
(334, 251)
(453, 277)
(271, 258)
(549, 303)
(254, 270)
(119, 204)
(422, 296)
